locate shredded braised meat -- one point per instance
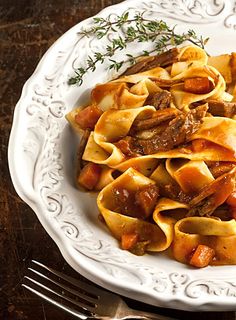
(157, 118)
(218, 168)
(213, 195)
(178, 132)
(160, 100)
(125, 146)
(174, 192)
(162, 60)
(222, 108)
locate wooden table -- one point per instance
(27, 29)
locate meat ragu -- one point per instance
(213, 195)
(177, 133)
(158, 117)
(174, 192)
(162, 60)
(219, 168)
(160, 100)
(139, 204)
(159, 144)
(222, 108)
(126, 147)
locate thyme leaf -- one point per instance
(136, 29)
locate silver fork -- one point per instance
(86, 301)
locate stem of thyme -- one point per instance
(137, 29)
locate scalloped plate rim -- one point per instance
(170, 301)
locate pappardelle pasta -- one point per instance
(159, 145)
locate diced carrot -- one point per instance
(89, 175)
(147, 198)
(231, 200)
(129, 240)
(198, 145)
(202, 256)
(198, 85)
(88, 117)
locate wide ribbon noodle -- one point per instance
(159, 143)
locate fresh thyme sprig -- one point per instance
(136, 29)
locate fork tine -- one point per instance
(79, 304)
(65, 308)
(91, 290)
(84, 296)
(106, 306)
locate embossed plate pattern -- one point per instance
(42, 160)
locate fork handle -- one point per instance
(137, 316)
(142, 315)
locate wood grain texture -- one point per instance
(27, 29)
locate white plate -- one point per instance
(42, 159)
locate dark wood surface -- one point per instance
(27, 29)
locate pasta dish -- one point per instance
(158, 144)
